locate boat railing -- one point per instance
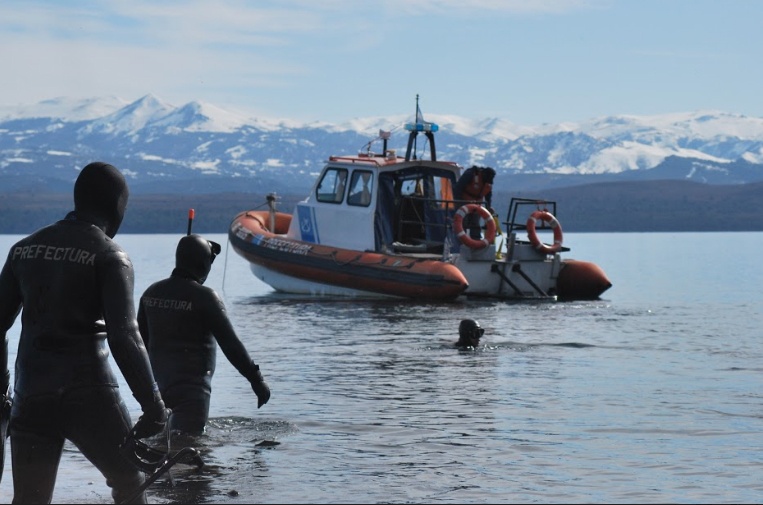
(425, 225)
(520, 214)
(520, 210)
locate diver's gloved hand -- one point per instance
(6, 404)
(153, 421)
(259, 387)
(5, 382)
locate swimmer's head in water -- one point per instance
(470, 332)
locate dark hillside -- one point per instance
(667, 205)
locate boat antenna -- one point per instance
(191, 214)
(385, 138)
(420, 126)
(415, 137)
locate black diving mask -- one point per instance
(215, 248)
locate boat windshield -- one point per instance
(331, 187)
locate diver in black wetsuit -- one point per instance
(181, 320)
(469, 334)
(74, 288)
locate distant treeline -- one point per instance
(603, 207)
(22, 213)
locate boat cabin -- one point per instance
(381, 202)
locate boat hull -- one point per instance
(581, 280)
(302, 267)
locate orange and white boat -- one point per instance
(383, 225)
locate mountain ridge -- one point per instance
(158, 144)
(198, 151)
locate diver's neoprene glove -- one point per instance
(6, 404)
(259, 387)
(153, 420)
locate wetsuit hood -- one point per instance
(469, 332)
(194, 256)
(100, 196)
(488, 175)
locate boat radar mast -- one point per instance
(420, 126)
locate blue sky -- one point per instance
(527, 61)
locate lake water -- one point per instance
(653, 394)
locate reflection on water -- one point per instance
(227, 444)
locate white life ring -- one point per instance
(458, 226)
(546, 216)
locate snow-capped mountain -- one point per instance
(198, 147)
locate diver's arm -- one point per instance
(125, 342)
(461, 183)
(489, 196)
(143, 324)
(233, 348)
(225, 334)
(10, 306)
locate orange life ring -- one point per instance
(458, 226)
(546, 216)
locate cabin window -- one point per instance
(412, 187)
(331, 186)
(361, 186)
(437, 190)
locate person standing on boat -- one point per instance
(73, 286)
(475, 185)
(469, 334)
(181, 321)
